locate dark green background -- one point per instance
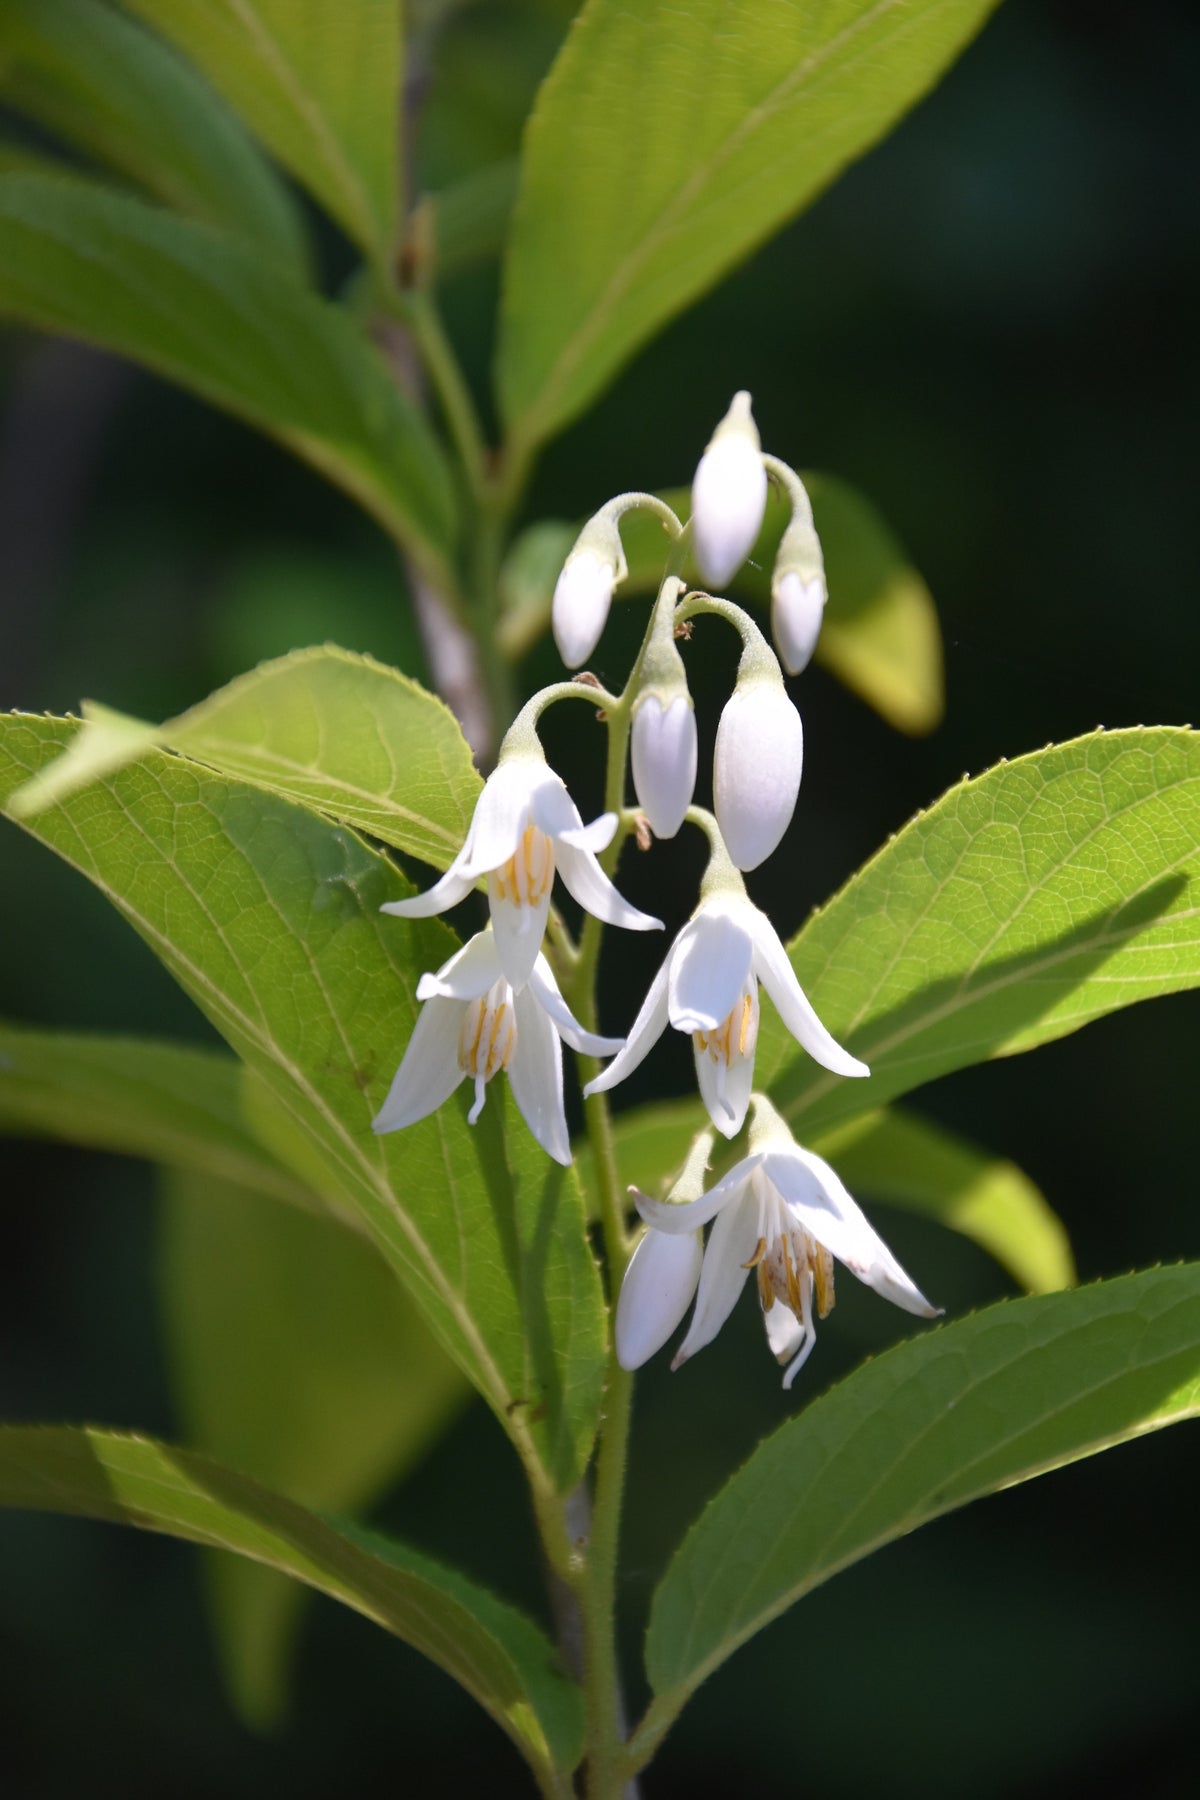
(990, 327)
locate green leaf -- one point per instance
(269, 917)
(880, 636)
(1013, 1392)
(320, 86)
(497, 1654)
(905, 1161)
(666, 144)
(471, 218)
(1047, 892)
(335, 731)
(170, 1103)
(891, 1156)
(296, 1358)
(205, 310)
(111, 89)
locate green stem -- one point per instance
(417, 310)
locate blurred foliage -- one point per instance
(987, 328)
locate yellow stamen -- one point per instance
(821, 1264)
(766, 1293)
(760, 1250)
(526, 877)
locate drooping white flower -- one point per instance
(729, 495)
(473, 1024)
(582, 596)
(708, 987)
(526, 826)
(757, 762)
(797, 611)
(656, 1292)
(664, 760)
(781, 1211)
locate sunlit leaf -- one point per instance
(206, 310)
(1047, 892)
(959, 1412)
(118, 93)
(319, 84)
(297, 1358)
(498, 1655)
(170, 1103)
(338, 732)
(269, 917)
(666, 143)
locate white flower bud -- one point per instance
(655, 1294)
(756, 769)
(582, 597)
(664, 760)
(729, 495)
(797, 609)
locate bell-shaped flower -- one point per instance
(473, 1024)
(582, 596)
(708, 987)
(729, 495)
(664, 759)
(525, 827)
(797, 612)
(781, 1211)
(757, 762)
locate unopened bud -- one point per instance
(729, 495)
(756, 768)
(664, 760)
(582, 597)
(797, 611)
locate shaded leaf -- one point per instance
(336, 731)
(113, 90)
(1047, 892)
(269, 917)
(471, 218)
(211, 313)
(320, 86)
(959, 1412)
(498, 1655)
(666, 144)
(170, 1103)
(296, 1358)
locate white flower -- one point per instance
(797, 610)
(471, 1026)
(708, 986)
(656, 1292)
(525, 826)
(582, 597)
(782, 1212)
(756, 769)
(729, 495)
(664, 761)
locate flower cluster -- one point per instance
(496, 1004)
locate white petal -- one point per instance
(672, 1216)
(535, 1074)
(731, 1244)
(725, 1089)
(469, 972)
(756, 770)
(545, 990)
(655, 1294)
(453, 887)
(582, 596)
(553, 811)
(664, 761)
(785, 1333)
(586, 880)
(519, 932)
(777, 975)
(729, 497)
(710, 965)
(644, 1033)
(820, 1202)
(501, 814)
(797, 611)
(429, 1073)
